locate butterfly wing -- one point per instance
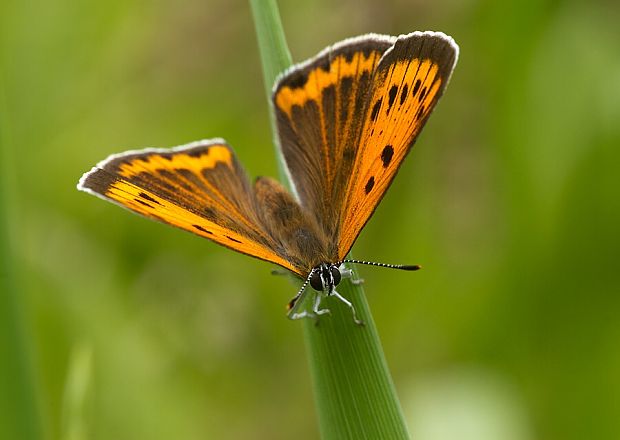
(407, 84)
(200, 187)
(318, 106)
(348, 118)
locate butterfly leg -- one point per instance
(350, 305)
(295, 304)
(348, 273)
(317, 304)
(304, 314)
(316, 311)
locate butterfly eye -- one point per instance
(315, 281)
(336, 275)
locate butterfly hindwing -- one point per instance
(200, 187)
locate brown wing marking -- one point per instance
(193, 178)
(200, 188)
(408, 81)
(318, 106)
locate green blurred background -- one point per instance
(114, 327)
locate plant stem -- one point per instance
(354, 393)
(275, 58)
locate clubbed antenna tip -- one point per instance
(390, 266)
(411, 267)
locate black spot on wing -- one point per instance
(145, 196)
(416, 87)
(196, 153)
(348, 55)
(403, 94)
(419, 113)
(142, 202)
(375, 110)
(200, 228)
(392, 97)
(369, 185)
(324, 64)
(297, 80)
(422, 94)
(232, 239)
(386, 155)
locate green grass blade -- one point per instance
(275, 58)
(354, 393)
(19, 411)
(75, 396)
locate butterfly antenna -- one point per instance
(390, 266)
(293, 301)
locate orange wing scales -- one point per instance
(180, 166)
(152, 163)
(406, 86)
(200, 188)
(327, 76)
(386, 139)
(318, 79)
(150, 205)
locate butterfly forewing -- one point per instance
(201, 188)
(407, 84)
(347, 119)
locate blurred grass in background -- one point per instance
(130, 329)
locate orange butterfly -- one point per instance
(346, 120)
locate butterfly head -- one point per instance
(325, 277)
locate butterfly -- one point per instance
(346, 119)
